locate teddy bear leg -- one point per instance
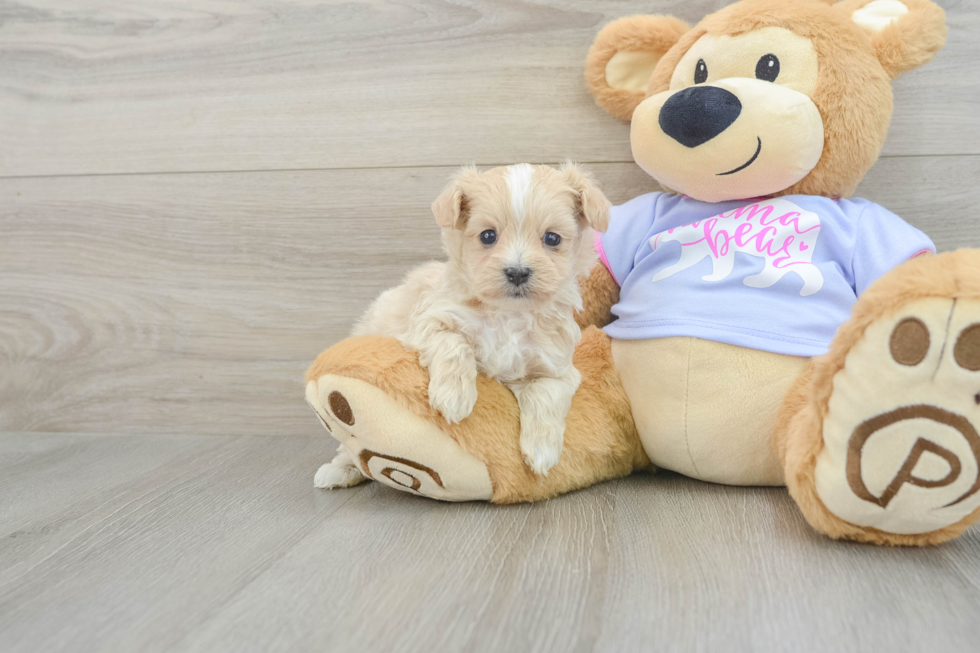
(879, 437)
(384, 440)
(371, 395)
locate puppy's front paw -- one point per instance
(541, 445)
(335, 475)
(454, 400)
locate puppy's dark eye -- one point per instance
(768, 68)
(551, 239)
(488, 237)
(700, 72)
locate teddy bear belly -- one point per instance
(707, 409)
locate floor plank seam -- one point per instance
(122, 511)
(97, 434)
(215, 610)
(492, 164)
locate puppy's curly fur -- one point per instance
(474, 314)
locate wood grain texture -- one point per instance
(213, 85)
(214, 543)
(158, 303)
(187, 296)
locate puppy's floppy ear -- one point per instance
(591, 204)
(905, 33)
(451, 208)
(623, 57)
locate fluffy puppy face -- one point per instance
(518, 236)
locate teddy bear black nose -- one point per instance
(698, 113)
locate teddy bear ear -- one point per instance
(905, 33)
(623, 57)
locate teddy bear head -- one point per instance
(764, 97)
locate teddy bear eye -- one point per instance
(701, 72)
(768, 68)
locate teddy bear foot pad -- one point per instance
(901, 449)
(384, 441)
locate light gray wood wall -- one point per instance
(196, 197)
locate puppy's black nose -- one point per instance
(698, 113)
(517, 276)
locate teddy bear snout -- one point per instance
(697, 114)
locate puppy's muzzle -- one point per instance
(517, 277)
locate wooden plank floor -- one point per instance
(220, 543)
(197, 196)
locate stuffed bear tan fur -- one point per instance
(761, 119)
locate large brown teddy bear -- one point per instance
(760, 327)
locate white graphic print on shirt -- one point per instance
(776, 230)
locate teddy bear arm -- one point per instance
(600, 293)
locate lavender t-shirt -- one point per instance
(778, 274)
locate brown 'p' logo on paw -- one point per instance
(406, 479)
(905, 474)
(340, 407)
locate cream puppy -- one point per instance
(517, 239)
